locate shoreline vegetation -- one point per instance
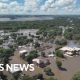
(42, 43)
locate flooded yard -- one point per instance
(70, 65)
(69, 68)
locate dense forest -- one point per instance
(72, 23)
(57, 21)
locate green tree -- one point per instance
(14, 35)
(1, 41)
(59, 63)
(16, 75)
(59, 53)
(76, 76)
(48, 71)
(32, 55)
(68, 35)
(38, 76)
(43, 54)
(2, 76)
(22, 40)
(36, 45)
(61, 42)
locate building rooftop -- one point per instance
(22, 51)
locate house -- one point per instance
(66, 49)
(41, 61)
(69, 50)
(68, 54)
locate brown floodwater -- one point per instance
(70, 66)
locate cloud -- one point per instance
(3, 7)
(4, 0)
(57, 4)
(30, 5)
(14, 7)
(38, 7)
(10, 8)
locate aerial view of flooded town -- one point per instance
(53, 46)
(39, 39)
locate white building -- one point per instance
(68, 51)
(51, 55)
(36, 60)
(22, 52)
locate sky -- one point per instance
(40, 7)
